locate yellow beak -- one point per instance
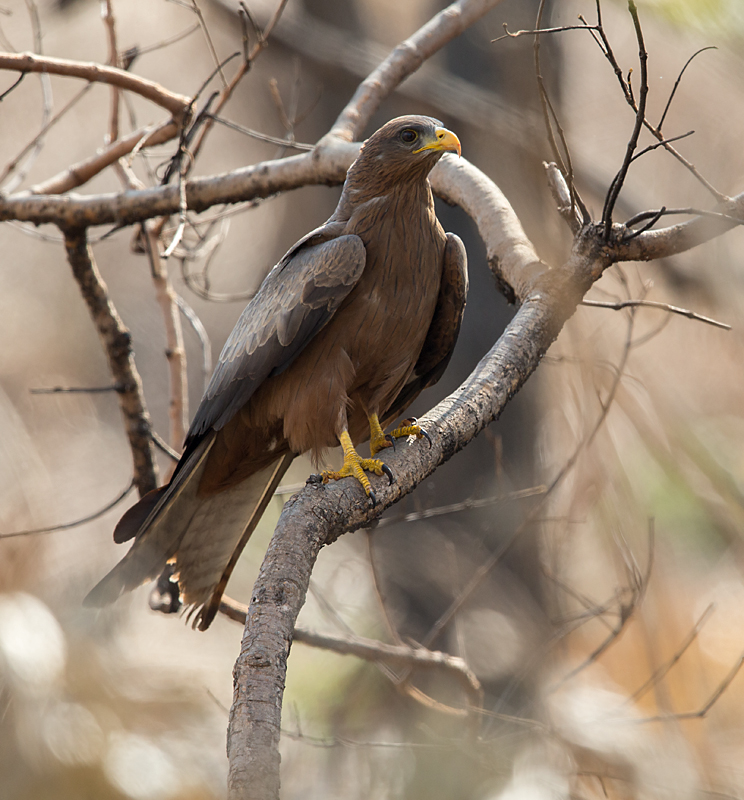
(445, 140)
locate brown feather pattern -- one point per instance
(356, 319)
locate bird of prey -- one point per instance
(356, 320)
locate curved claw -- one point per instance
(425, 434)
(386, 469)
(391, 440)
(372, 498)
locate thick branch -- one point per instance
(176, 104)
(407, 57)
(320, 513)
(117, 342)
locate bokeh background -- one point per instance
(606, 639)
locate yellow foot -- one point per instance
(355, 466)
(408, 427)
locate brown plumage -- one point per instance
(358, 317)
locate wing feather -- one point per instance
(443, 331)
(296, 300)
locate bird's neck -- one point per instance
(417, 192)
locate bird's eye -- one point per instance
(409, 136)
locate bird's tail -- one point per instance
(204, 535)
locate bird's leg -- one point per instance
(354, 466)
(379, 439)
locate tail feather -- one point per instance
(216, 536)
(166, 516)
(203, 535)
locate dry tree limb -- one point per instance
(709, 703)
(407, 57)
(117, 342)
(64, 526)
(176, 104)
(83, 171)
(11, 166)
(248, 59)
(175, 352)
(107, 14)
(684, 312)
(372, 650)
(661, 671)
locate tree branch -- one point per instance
(321, 513)
(176, 104)
(407, 57)
(117, 342)
(375, 651)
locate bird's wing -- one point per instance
(443, 331)
(296, 300)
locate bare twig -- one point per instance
(619, 179)
(406, 58)
(150, 48)
(481, 502)
(706, 707)
(12, 86)
(262, 137)
(164, 447)
(13, 163)
(63, 526)
(198, 327)
(174, 103)
(175, 352)
(83, 171)
(208, 39)
(117, 343)
(248, 59)
(658, 674)
(677, 82)
(107, 14)
(78, 389)
(684, 312)
(372, 650)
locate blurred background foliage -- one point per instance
(618, 614)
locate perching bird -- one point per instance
(356, 320)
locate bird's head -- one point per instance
(404, 149)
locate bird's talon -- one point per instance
(424, 433)
(391, 440)
(386, 469)
(372, 498)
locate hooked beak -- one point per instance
(444, 140)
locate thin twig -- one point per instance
(117, 342)
(76, 523)
(78, 389)
(175, 351)
(453, 508)
(684, 312)
(198, 327)
(262, 137)
(538, 31)
(372, 650)
(659, 673)
(208, 38)
(13, 163)
(619, 180)
(150, 48)
(226, 93)
(677, 82)
(704, 709)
